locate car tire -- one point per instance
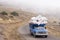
(35, 36)
(45, 36)
(31, 33)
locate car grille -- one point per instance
(42, 32)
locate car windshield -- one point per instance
(35, 25)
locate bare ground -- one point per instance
(8, 28)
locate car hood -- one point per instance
(41, 30)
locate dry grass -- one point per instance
(9, 27)
(54, 28)
(10, 32)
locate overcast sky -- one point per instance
(42, 6)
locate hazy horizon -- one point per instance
(51, 7)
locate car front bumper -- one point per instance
(41, 34)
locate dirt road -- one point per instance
(24, 31)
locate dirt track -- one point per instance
(24, 31)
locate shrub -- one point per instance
(3, 13)
(14, 13)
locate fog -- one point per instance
(51, 7)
